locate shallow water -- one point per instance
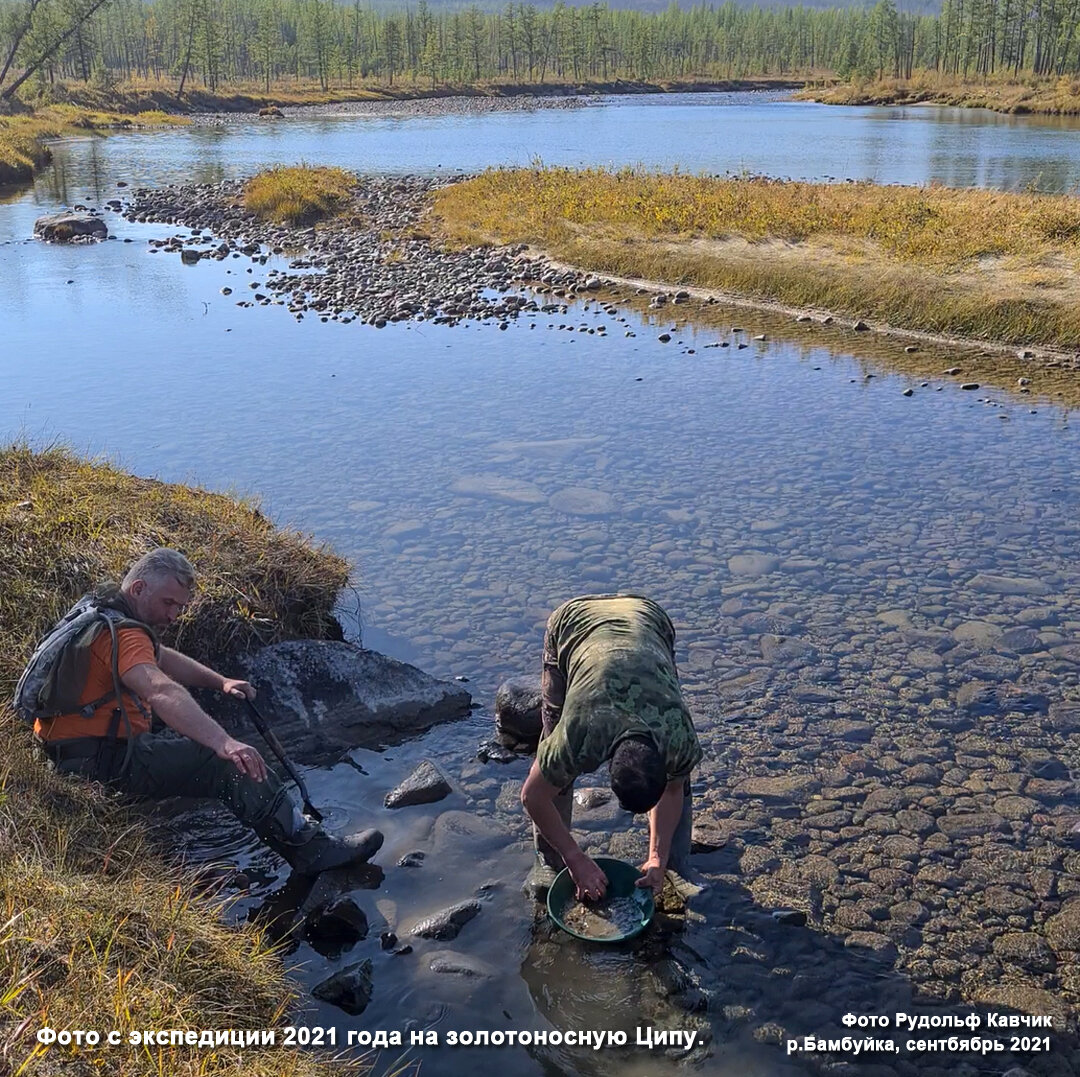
(791, 513)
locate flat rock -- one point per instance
(557, 449)
(425, 785)
(592, 798)
(1027, 950)
(783, 789)
(1026, 999)
(323, 697)
(1008, 585)
(580, 501)
(752, 564)
(499, 488)
(446, 923)
(979, 633)
(1063, 717)
(452, 963)
(349, 990)
(1022, 640)
(873, 943)
(66, 227)
(971, 825)
(1063, 930)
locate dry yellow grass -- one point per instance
(23, 137)
(298, 194)
(1001, 93)
(981, 264)
(96, 930)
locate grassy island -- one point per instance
(98, 930)
(982, 265)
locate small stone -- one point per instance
(448, 922)
(969, 385)
(794, 917)
(349, 990)
(425, 785)
(860, 326)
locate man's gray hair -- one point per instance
(160, 564)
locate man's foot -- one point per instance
(320, 851)
(539, 881)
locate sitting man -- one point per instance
(610, 693)
(126, 676)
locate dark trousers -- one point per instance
(169, 766)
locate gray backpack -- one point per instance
(55, 677)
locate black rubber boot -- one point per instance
(318, 851)
(307, 848)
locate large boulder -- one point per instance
(65, 227)
(323, 697)
(517, 713)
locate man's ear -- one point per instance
(137, 587)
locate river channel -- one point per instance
(875, 594)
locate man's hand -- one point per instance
(652, 876)
(590, 881)
(245, 758)
(240, 689)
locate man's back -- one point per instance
(616, 655)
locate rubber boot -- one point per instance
(308, 849)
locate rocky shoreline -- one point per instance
(404, 106)
(375, 264)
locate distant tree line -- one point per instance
(342, 44)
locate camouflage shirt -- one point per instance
(615, 654)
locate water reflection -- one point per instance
(756, 133)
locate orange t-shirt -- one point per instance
(134, 649)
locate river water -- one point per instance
(839, 559)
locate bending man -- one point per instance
(611, 694)
(108, 739)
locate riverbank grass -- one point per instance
(298, 194)
(1059, 96)
(97, 930)
(984, 265)
(24, 136)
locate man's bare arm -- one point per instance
(185, 670)
(663, 820)
(538, 799)
(173, 703)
